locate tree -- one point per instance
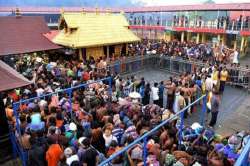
(208, 2)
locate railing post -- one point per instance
(204, 110)
(69, 92)
(145, 151)
(243, 158)
(15, 108)
(110, 86)
(14, 148)
(181, 128)
(171, 65)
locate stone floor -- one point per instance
(234, 112)
(245, 60)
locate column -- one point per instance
(182, 36)
(203, 39)
(242, 43)
(188, 36)
(108, 57)
(223, 39)
(218, 39)
(235, 44)
(198, 38)
(80, 54)
(127, 49)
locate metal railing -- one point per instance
(149, 133)
(16, 133)
(243, 160)
(212, 24)
(128, 65)
(237, 76)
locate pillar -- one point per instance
(198, 38)
(242, 45)
(127, 49)
(108, 57)
(203, 39)
(182, 36)
(223, 38)
(188, 36)
(235, 44)
(80, 54)
(218, 39)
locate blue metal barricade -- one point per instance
(146, 135)
(17, 149)
(243, 160)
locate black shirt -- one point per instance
(89, 157)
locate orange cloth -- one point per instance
(53, 154)
(59, 123)
(14, 96)
(9, 112)
(86, 76)
(23, 107)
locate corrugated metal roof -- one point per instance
(10, 78)
(201, 7)
(23, 35)
(51, 34)
(227, 6)
(94, 30)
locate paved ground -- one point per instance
(234, 112)
(245, 60)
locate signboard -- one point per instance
(232, 32)
(168, 28)
(215, 40)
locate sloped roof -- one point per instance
(10, 78)
(236, 14)
(51, 34)
(94, 30)
(23, 35)
(198, 7)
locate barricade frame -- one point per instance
(17, 149)
(146, 135)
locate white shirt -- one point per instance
(209, 84)
(39, 91)
(155, 93)
(109, 139)
(117, 84)
(235, 57)
(71, 159)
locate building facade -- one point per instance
(227, 24)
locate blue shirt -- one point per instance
(161, 90)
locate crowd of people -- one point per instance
(219, 55)
(94, 122)
(187, 50)
(221, 22)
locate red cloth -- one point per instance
(85, 76)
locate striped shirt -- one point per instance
(118, 132)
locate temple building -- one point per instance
(95, 34)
